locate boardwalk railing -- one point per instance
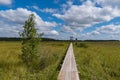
(69, 69)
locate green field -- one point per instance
(98, 61)
(12, 68)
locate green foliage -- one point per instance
(30, 42)
(100, 61)
(13, 68)
(82, 45)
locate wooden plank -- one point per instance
(69, 68)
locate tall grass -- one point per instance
(100, 61)
(12, 67)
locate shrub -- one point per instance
(82, 45)
(30, 42)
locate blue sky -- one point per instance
(60, 19)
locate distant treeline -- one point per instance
(19, 39)
(50, 39)
(100, 40)
(9, 39)
(89, 40)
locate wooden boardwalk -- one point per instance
(69, 68)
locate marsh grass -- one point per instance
(82, 45)
(100, 61)
(12, 67)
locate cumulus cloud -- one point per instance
(49, 10)
(87, 15)
(45, 10)
(111, 31)
(13, 20)
(55, 32)
(109, 3)
(66, 29)
(17, 16)
(5, 2)
(78, 17)
(66, 6)
(52, 32)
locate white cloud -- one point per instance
(66, 6)
(79, 17)
(12, 21)
(51, 32)
(35, 7)
(46, 10)
(87, 15)
(111, 31)
(17, 16)
(54, 32)
(68, 30)
(75, 17)
(110, 3)
(49, 10)
(5, 2)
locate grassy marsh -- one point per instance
(99, 61)
(12, 68)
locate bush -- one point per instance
(82, 45)
(30, 42)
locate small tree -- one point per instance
(30, 42)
